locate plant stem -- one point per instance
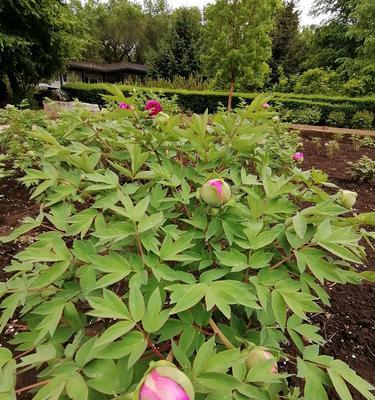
(34, 385)
(285, 259)
(151, 345)
(220, 335)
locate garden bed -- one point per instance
(349, 324)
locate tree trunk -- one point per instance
(230, 97)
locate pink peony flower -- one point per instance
(154, 107)
(124, 106)
(266, 106)
(157, 387)
(298, 157)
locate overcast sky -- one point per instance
(304, 6)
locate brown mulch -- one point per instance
(348, 326)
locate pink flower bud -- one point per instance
(154, 107)
(258, 355)
(266, 106)
(298, 157)
(166, 383)
(215, 192)
(125, 106)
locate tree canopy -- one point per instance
(36, 40)
(238, 44)
(180, 53)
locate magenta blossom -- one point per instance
(157, 387)
(124, 106)
(154, 107)
(298, 157)
(266, 106)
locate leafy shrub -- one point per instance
(135, 268)
(363, 170)
(316, 80)
(362, 141)
(307, 116)
(337, 118)
(193, 82)
(363, 119)
(354, 87)
(200, 101)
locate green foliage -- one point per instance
(307, 116)
(36, 39)
(331, 147)
(317, 142)
(362, 141)
(363, 29)
(15, 140)
(316, 80)
(179, 54)
(287, 46)
(336, 118)
(363, 119)
(363, 170)
(237, 42)
(200, 101)
(133, 267)
(193, 82)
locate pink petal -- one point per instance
(157, 387)
(148, 394)
(218, 185)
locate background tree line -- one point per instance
(238, 44)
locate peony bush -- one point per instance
(174, 259)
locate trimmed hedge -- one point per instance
(199, 101)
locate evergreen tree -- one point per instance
(180, 53)
(238, 41)
(287, 47)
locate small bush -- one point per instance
(336, 118)
(354, 87)
(362, 141)
(363, 120)
(316, 80)
(332, 146)
(317, 142)
(363, 170)
(307, 116)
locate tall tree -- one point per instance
(363, 28)
(287, 47)
(37, 37)
(180, 53)
(238, 41)
(332, 45)
(157, 16)
(119, 29)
